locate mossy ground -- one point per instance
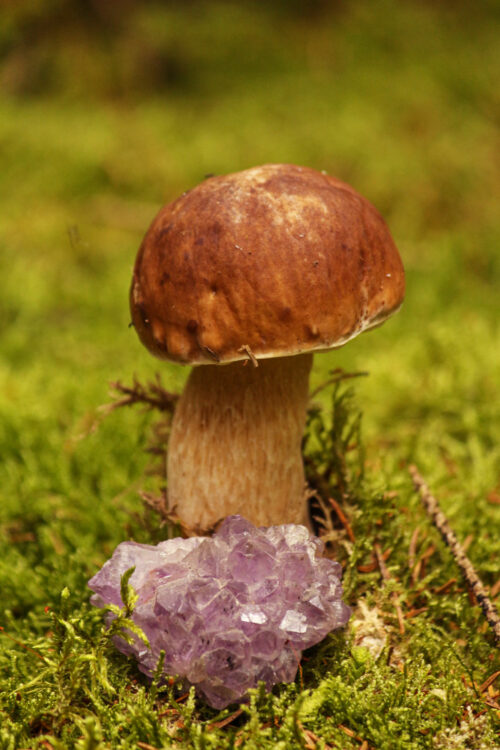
(401, 100)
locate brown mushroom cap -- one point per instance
(273, 261)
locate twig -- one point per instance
(445, 587)
(311, 739)
(386, 576)
(471, 577)
(20, 643)
(251, 356)
(153, 396)
(228, 720)
(159, 504)
(491, 679)
(373, 565)
(325, 521)
(342, 518)
(336, 376)
(350, 733)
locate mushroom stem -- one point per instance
(235, 444)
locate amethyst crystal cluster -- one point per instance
(230, 610)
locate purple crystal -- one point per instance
(230, 610)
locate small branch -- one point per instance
(152, 395)
(224, 722)
(159, 504)
(251, 356)
(471, 577)
(336, 376)
(342, 518)
(491, 679)
(445, 587)
(20, 643)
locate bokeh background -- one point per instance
(109, 109)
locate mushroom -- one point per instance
(244, 277)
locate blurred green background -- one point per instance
(108, 110)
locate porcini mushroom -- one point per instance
(245, 276)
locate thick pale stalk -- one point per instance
(235, 443)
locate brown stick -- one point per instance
(251, 356)
(471, 577)
(342, 518)
(337, 375)
(153, 395)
